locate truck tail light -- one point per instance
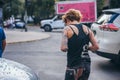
(108, 27)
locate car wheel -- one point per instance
(47, 28)
(117, 60)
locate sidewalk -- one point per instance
(13, 36)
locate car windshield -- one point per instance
(104, 18)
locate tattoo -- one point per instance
(64, 39)
(64, 42)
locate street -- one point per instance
(48, 62)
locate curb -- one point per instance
(20, 37)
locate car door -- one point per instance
(111, 38)
(58, 22)
(99, 33)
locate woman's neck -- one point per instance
(74, 22)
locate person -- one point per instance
(2, 41)
(76, 37)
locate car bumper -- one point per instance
(107, 55)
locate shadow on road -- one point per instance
(109, 66)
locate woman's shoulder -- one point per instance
(67, 28)
(86, 29)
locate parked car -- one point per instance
(19, 24)
(55, 23)
(107, 32)
(11, 70)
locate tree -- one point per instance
(100, 5)
(45, 8)
(12, 7)
(116, 4)
(41, 9)
(29, 7)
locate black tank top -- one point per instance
(75, 47)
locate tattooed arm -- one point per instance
(94, 47)
(64, 42)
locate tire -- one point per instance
(47, 28)
(118, 60)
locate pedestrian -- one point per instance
(75, 40)
(2, 41)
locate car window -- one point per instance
(117, 21)
(59, 17)
(104, 18)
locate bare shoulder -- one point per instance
(86, 29)
(66, 31)
(66, 28)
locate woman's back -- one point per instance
(75, 45)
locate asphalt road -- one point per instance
(48, 62)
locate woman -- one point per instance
(75, 37)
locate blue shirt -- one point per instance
(2, 37)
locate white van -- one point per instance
(107, 32)
(55, 23)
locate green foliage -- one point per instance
(43, 8)
(11, 7)
(100, 5)
(47, 8)
(114, 3)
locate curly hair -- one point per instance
(72, 15)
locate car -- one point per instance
(19, 24)
(12, 70)
(107, 33)
(55, 23)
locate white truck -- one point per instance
(87, 8)
(54, 23)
